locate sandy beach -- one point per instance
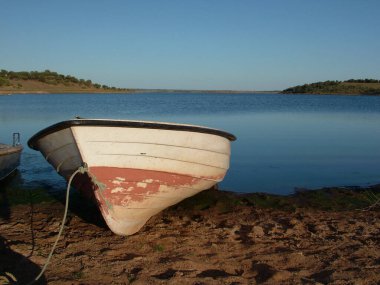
(225, 241)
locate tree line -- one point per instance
(48, 77)
(360, 86)
(362, 81)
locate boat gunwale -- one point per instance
(10, 150)
(124, 123)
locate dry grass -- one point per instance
(32, 86)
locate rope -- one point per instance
(375, 198)
(81, 170)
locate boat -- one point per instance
(135, 169)
(10, 156)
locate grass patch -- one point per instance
(223, 201)
(202, 201)
(338, 199)
(131, 278)
(327, 199)
(267, 201)
(15, 196)
(78, 275)
(158, 248)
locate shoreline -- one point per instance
(35, 82)
(145, 91)
(335, 198)
(216, 237)
(31, 92)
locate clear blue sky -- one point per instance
(194, 44)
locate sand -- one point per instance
(244, 244)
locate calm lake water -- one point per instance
(283, 141)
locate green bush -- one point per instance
(4, 82)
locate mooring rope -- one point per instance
(375, 202)
(82, 170)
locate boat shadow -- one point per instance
(82, 207)
(16, 268)
(13, 191)
(5, 185)
(5, 209)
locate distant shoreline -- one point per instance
(132, 91)
(142, 91)
(370, 87)
(50, 82)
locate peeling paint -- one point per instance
(117, 189)
(140, 183)
(118, 180)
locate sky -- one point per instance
(194, 44)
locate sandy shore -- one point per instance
(194, 244)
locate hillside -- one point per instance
(352, 86)
(49, 82)
(52, 82)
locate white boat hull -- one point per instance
(136, 171)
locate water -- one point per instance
(284, 141)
